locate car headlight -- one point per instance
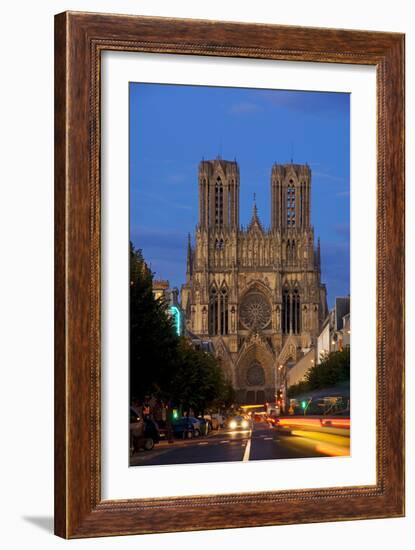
(245, 423)
(232, 424)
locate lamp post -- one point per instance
(275, 383)
(281, 387)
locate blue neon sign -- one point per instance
(175, 313)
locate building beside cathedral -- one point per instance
(254, 292)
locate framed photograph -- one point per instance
(229, 275)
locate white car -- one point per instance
(217, 420)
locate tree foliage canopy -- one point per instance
(333, 369)
(153, 342)
(161, 363)
(199, 380)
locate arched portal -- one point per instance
(255, 377)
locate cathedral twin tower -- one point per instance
(254, 292)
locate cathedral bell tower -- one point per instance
(290, 197)
(218, 195)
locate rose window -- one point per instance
(255, 375)
(255, 311)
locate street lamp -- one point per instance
(281, 382)
(277, 383)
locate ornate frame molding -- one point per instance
(79, 40)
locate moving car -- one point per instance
(239, 423)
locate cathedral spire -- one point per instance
(255, 221)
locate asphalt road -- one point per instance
(262, 443)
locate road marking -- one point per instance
(247, 449)
(267, 438)
(225, 441)
(204, 443)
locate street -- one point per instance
(263, 442)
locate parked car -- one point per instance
(239, 423)
(144, 432)
(213, 421)
(187, 427)
(205, 425)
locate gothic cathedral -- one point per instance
(254, 292)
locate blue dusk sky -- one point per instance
(173, 127)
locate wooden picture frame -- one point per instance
(79, 40)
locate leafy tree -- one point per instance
(298, 389)
(161, 363)
(333, 369)
(228, 396)
(199, 380)
(153, 342)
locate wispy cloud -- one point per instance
(327, 176)
(244, 108)
(312, 103)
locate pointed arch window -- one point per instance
(291, 311)
(291, 205)
(286, 311)
(296, 311)
(213, 310)
(224, 310)
(218, 311)
(219, 203)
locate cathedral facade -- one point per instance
(254, 292)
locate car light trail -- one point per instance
(337, 440)
(332, 450)
(324, 422)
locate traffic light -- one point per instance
(303, 404)
(175, 414)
